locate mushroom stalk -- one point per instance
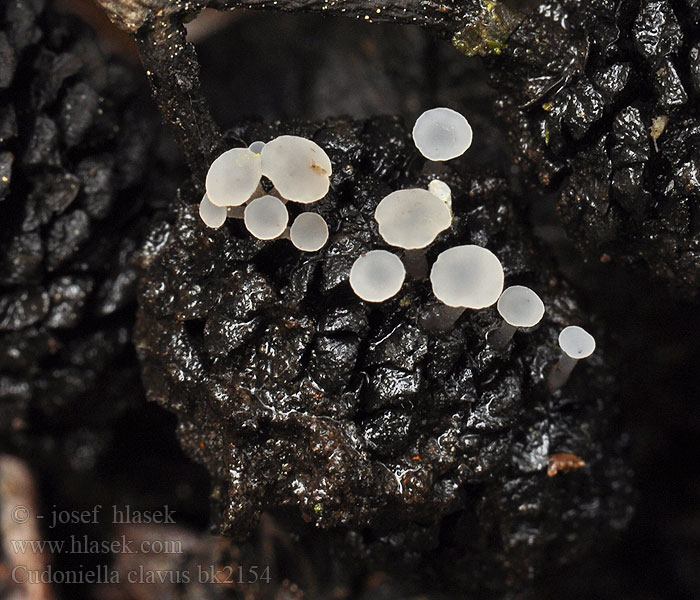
(416, 263)
(576, 344)
(499, 338)
(441, 317)
(520, 307)
(236, 212)
(272, 192)
(560, 372)
(260, 191)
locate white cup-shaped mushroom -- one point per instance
(266, 217)
(309, 232)
(299, 168)
(377, 275)
(233, 177)
(576, 344)
(464, 277)
(442, 134)
(412, 219)
(467, 277)
(256, 147)
(212, 215)
(520, 307)
(442, 191)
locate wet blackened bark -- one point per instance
(173, 71)
(443, 17)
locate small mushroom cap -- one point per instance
(233, 177)
(377, 275)
(212, 215)
(467, 277)
(309, 232)
(266, 217)
(412, 219)
(576, 342)
(299, 168)
(256, 147)
(520, 306)
(441, 190)
(442, 134)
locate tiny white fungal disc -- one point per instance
(299, 168)
(377, 275)
(309, 232)
(412, 219)
(442, 134)
(520, 306)
(233, 177)
(266, 217)
(441, 190)
(256, 147)
(212, 215)
(576, 342)
(467, 277)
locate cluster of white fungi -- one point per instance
(299, 171)
(462, 277)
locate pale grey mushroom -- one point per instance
(266, 217)
(520, 307)
(299, 168)
(467, 276)
(576, 344)
(212, 215)
(411, 219)
(256, 147)
(464, 277)
(309, 232)
(377, 275)
(442, 134)
(442, 191)
(233, 177)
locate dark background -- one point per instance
(308, 67)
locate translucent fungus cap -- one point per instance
(256, 147)
(520, 306)
(266, 217)
(412, 219)
(467, 277)
(212, 215)
(309, 232)
(233, 177)
(299, 168)
(442, 134)
(576, 342)
(441, 190)
(377, 275)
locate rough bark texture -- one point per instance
(173, 71)
(69, 396)
(421, 447)
(602, 102)
(78, 142)
(445, 18)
